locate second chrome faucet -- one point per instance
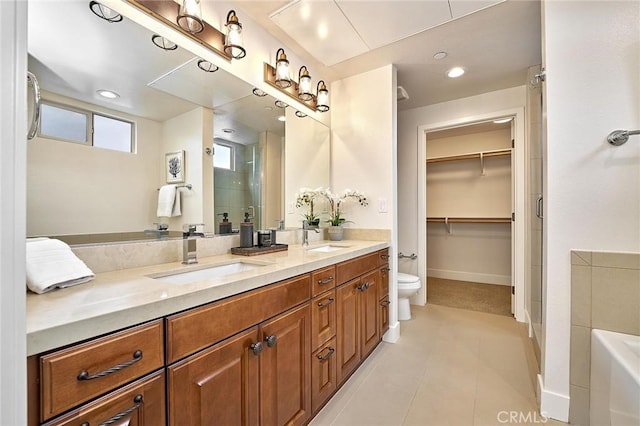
(305, 233)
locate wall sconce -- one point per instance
(233, 41)
(103, 12)
(190, 16)
(187, 19)
(304, 84)
(322, 99)
(207, 66)
(282, 70)
(163, 43)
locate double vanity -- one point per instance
(231, 340)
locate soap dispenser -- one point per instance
(246, 231)
(225, 225)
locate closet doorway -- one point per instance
(472, 192)
(469, 207)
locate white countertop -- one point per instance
(119, 299)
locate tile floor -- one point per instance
(450, 367)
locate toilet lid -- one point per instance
(407, 278)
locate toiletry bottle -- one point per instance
(225, 225)
(246, 231)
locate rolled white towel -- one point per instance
(51, 264)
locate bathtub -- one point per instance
(615, 379)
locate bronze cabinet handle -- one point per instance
(327, 355)
(385, 303)
(384, 256)
(84, 374)
(271, 340)
(326, 302)
(137, 400)
(256, 348)
(364, 286)
(327, 281)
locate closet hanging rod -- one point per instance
(469, 219)
(470, 156)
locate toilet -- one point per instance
(408, 285)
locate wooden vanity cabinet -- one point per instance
(383, 291)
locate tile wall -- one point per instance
(605, 294)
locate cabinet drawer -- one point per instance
(323, 374)
(346, 271)
(322, 280)
(323, 318)
(383, 257)
(140, 403)
(77, 374)
(198, 328)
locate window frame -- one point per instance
(232, 155)
(89, 115)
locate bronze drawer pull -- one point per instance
(384, 256)
(327, 302)
(84, 374)
(386, 269)
(364, 286)
(136, 400)
(385, 303)
(326, 356)
(327, 281)
(271, 340)
(256, 348)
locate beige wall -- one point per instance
(76, 189)
(605, 294)
(272, 148)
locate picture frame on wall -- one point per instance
(174, 167)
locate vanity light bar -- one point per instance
(291, 91)
(167, 11)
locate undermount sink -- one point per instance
(209, 272)
(327, 248)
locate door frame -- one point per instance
(518, 237)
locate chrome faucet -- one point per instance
(305, 233)
(189, 244)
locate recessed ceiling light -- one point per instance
(455, 72)
(440, 55)
(107, 94)
(502, 120)
(207, 66)
(323, 31)
(259, 92)
(228, 130)
(280, 104)
(163, 43)
(282, 118)
(300, 114)
(268, 108)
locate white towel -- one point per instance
(51, 264)
(168, 201)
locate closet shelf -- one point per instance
(470, 156)
(469, 219)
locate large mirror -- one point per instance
(87, 192)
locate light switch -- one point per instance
(382, 205)
(290, 207)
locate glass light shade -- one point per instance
(304, 84)
(104, 12)
(233, 40)
(190, 16)
(282, 70)
(322, 100)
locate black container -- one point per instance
(264, 238)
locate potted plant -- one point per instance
(336, 220)
(306, 197)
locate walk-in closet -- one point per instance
(469, 187)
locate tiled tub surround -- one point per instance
(122, 298)
(605, 294)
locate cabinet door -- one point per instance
(369, 304)
(348, 331)
(218, 385)
(138, 404)
(323, 374)
(323, 319)
(383, 288)
(383, 312)
(285, 369)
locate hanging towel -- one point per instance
(51, 264)
(168, 201)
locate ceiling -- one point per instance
(494, 41)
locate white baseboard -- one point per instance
(552, 405)
(470, 276)
(393, 334)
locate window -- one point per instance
(69, 124)
(223, 156)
